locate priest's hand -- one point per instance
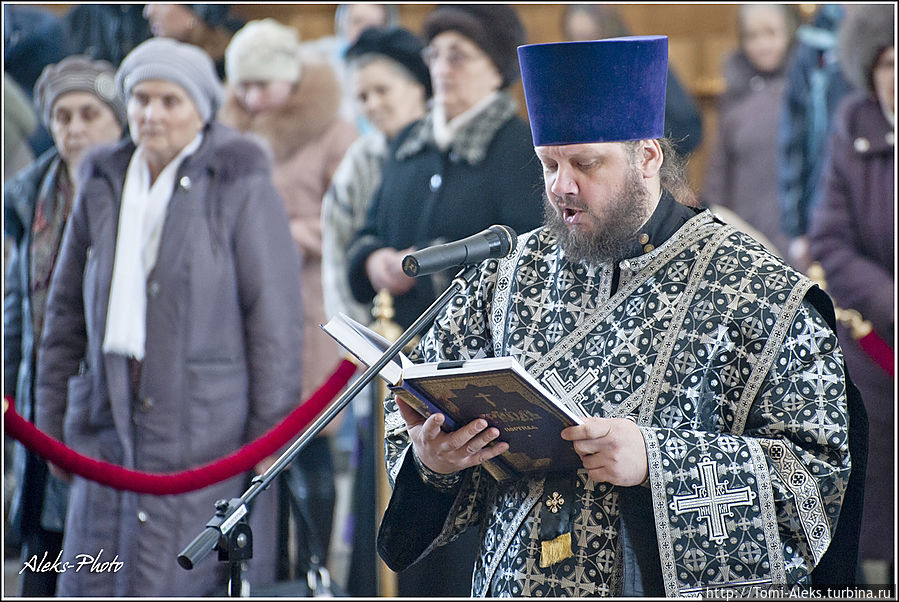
(612, 450)
(384, 269)
(450, 452)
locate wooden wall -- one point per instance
(700, 35)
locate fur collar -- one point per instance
(308, 113)
(471, 141)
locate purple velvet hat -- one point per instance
(596, 91)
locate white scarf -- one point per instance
(141, 218)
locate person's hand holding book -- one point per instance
(447, 453)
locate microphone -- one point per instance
(492, 243)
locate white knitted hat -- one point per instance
(263, 50)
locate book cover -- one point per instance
(498, 389)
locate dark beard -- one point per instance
(615, 231)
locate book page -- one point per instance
(366, 345)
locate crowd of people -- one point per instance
(188, 195)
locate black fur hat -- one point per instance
(397, 43)
(495, 28)
(865, 32)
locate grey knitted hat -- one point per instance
(183, 64)
(78, 73)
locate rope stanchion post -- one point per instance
(383, 312)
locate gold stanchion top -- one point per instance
(383, 313)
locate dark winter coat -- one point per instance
(852, 236)
(488, 176)
(36, 500)
(106, 31)
(741, 173)
(221, 364)
(815, 86)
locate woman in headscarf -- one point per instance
(171, 336)
(78, 103)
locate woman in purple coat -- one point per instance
(171, 337)
(852, 237)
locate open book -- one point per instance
(497, 389)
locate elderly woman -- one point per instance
(292, 105)
(447, 175)
(392, 86)
(78, 103)
(852, 235)
(171, 336)
(468, 164)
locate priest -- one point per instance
(717, 447)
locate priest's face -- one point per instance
(598, 195)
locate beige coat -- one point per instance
(307, 140)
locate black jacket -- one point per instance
(489, 175)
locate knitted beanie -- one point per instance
(263, 50)
(78, 73)
(183, 64)
(495, 28)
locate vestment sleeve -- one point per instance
(757, 507)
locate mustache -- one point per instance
(570, 202)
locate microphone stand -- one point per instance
(228, 530)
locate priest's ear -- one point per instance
(648, 158)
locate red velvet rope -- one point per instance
(235, 463)
(879, 351)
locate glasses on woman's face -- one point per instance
(454, 57)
